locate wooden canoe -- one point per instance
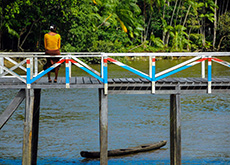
(126, 151)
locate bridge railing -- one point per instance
(32, 74)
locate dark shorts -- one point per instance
(52, 52)
(49, 59)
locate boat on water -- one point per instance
(125, 151)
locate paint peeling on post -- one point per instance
(153, 74)
(210, 74)
(67, 74)
(28, 73)
(105, 74)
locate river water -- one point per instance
(69, 123)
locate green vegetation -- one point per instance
(117, 25)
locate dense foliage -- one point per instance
(117, 25)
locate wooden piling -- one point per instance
(103, 125)
(31, 126)
(175, 129)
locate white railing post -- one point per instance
(35, 65)
(203, 68)
(210, 74)
(150, 66)
(1, 64)
(67, 72)
(70, 66)
(28, 73)
(102, 66)
(152, 72)
(31, 68)
(105, 73)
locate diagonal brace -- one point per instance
(4, 117)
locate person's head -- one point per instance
(53, 28)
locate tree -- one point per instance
(224, 31)
(8, 11)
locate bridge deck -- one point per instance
(129, 85)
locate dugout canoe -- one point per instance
(125, 151)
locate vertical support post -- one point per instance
(31, 67)
(153, 74)
(70, 65)
(209, 74)
(102, 66)
(105, 74)
(1, 64)
(203, 68)
(31, 126)
(175, 129)
(28, 73)
(103, 125)
(67, 72)
(35, 65)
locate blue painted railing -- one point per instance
(32, 74)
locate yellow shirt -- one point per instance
(52, 42)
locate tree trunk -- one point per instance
(202, 28)
(221, 42)
(147, 29)
(185, 19)
(203, 32)
(163, 35)
(167, 38)
(20, 44)
(215, 26)
(179, 7)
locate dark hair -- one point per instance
(53, 28)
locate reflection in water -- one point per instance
(69, 124)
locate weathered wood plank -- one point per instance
(194, 80)
(86, 80)
(110, 80)
(173, 80)
(144, 80)
(182, 80)
(42, 80)
(166, 80)
(130, 80)
(124, 80)
(94, 80)
(117, 80)
(12, 107)
(225, 79)
(137, 80)
(72, 80)
(79, 80)
(120, 84)
(187, 80)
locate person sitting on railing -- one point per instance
(52, 42)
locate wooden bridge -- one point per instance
(33, 80)
(129, 85)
